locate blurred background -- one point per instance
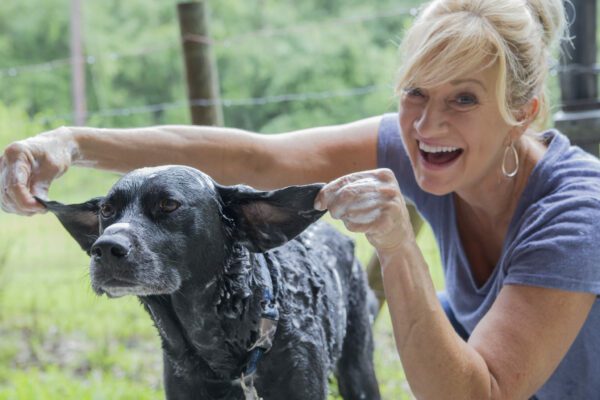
(281, 65)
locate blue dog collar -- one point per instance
(268, 322)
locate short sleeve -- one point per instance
(558, 246)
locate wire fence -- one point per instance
(48, 66)
(266, 33)
(13, 71)
(256, 101)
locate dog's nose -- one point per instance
(114, 246)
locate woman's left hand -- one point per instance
(369, 202)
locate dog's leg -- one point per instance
(355, 371)
(295, 372)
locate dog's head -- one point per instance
(158, 227)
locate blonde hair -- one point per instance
(452, 38)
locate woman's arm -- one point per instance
(233, 155)
(514, 348)
(29, 166)
(512, 352)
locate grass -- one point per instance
(60, 341)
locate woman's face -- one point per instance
(454, 133)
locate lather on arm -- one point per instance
(514, 348)
(28, 167)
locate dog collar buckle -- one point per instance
(268, 322)
(267, 329)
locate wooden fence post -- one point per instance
(77, 64)
(201, 71)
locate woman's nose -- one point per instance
(431, 120)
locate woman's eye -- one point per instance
(414, 92)
(106, 210)
(414, 96)
(465, 100)
(168, 205)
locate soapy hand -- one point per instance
(27, 168)
(369, 202)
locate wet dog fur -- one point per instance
(190, 249)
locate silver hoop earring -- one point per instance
(510, 149)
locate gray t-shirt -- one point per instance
(552, 241)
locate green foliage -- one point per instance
(329, 51)
(15, 124)
(60, 341)
(263, 48)
(55, 383)
(32, 33)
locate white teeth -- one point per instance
(436, 149)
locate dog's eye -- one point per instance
(107, 211)
(168, 205)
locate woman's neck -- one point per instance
(483, 215)
(493, 202)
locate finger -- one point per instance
(16, 188)
(357, 227)
(362, 195)
(336, 196)
(40, 190)
(24, 198)
(319, 203)
(5, 202)
(363, 217)
(330, 188)
(342, 205)
(16, 165)
(385, 174)
(365, 202)
(8, 205)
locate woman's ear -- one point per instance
(525, 116)
(531, 110)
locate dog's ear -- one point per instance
(264, 220)
(80, 220)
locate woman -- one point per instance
(515, 212)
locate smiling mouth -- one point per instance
(438, 156)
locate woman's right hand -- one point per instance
(28, 167)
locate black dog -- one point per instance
(238, 316)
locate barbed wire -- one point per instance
(255, 101)
(58, 63)
(14, 71)
(282, 98)
(268, 32)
